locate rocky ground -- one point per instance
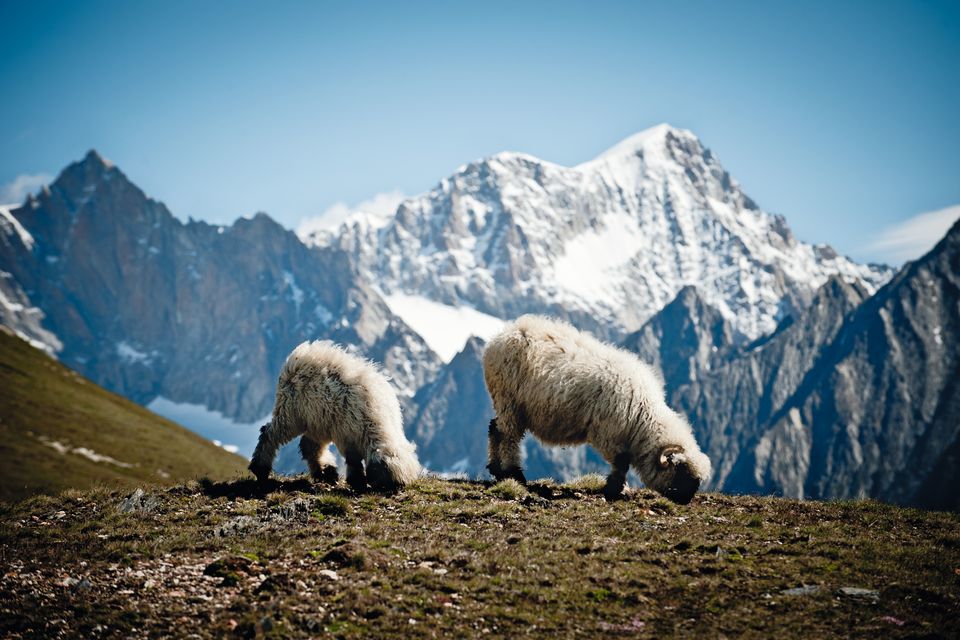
(457, 558)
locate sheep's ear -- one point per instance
(667, 454)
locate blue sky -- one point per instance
(842, 116)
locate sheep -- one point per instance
(567, 387)
(328, 395)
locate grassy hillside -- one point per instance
(56, 427)
(466, 559)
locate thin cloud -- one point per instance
(380, 207)
(16, 191)
(913, 237)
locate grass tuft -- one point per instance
(509, 489)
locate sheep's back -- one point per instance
(323, 385)
(564, 383)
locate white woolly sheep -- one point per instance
(328, 395)
(567, 387)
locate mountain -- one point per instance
(190, 313)
(856, 397)
(683, 339)
(605, 244)
(58, 431)
(652, 244)
(731, 404)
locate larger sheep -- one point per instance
(567, 388)
(328, 395)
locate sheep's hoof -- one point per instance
(327, 475)
(357, 484)
(516, 474)
(262, 472)
(379, 477)
(613, 493)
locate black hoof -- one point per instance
(379, 477)
(357, 484)
(327, 475)
(262, 472)
(612, 494)
(515, 474)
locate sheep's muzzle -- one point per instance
(684, 485)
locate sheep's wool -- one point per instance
(329, 395)
(566, 387)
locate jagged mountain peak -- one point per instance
(605, 244)
(94, 158)
(655, 138)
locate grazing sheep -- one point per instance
(567, 387)
(328, 395)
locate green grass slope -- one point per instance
(452, 559)
(56, 426)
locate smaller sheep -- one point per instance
(567, 388)
(328, 395)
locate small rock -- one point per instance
(298, 508)
(805, 590)
(858, 593)
(440, 572)
(891, 620)
(138, 502)
(329, 573)
(82, 585)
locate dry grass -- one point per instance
(44, 402)
(462, 559)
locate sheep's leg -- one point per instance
(504, 450)
(617, 479)
(273, 435)
(356, 477)
(320, 460)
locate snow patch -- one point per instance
(296, 293)
(590, 260)
(9, 223)
(129, 353)
(84, 452)
(232, 448)
(444, 328)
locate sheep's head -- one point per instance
(677, 470)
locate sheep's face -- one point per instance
(678, 473)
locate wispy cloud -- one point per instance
(17, 189)
(380, 207)
(913, 237)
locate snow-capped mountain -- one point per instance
(606, 243)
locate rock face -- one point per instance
(731, 404)
(605, 244)
(857, 397)
(684, 339)
(148, 306)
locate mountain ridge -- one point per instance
(605, 243)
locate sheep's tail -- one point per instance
(392, 467)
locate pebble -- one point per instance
(805, 590)
(329, 573)
(859, 593)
